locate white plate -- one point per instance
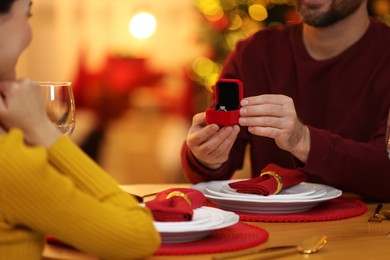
(302, 191)
(203, 220)
(215, 219)
(266, 206)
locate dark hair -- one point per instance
(5, 6)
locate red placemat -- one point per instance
(236, 237)
(335, 209)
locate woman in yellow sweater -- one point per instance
(47, 184)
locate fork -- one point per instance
(375, 217)
(141, 199)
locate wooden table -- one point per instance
(353, 238)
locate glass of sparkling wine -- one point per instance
(388, 135)
(60, 105)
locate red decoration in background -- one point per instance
(123, 74)
(106, 91)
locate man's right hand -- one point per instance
(210, 144)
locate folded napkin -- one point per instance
(275, 179)
(176, 204)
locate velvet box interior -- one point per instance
(228, 94)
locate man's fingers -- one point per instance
(266, 99)
(199, 119)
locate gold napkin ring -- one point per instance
(278, 180)
(179, 194)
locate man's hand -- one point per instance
(274, 116)
(210, 144)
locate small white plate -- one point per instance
(215, 219)
(203, 220)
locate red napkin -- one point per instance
(176, 208)
(267, 184)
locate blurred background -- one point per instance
(142, 68)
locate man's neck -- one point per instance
(327, 42)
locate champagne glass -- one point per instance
(60, 105)
(388, 135)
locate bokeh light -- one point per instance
(230, 21)
(206, 71)
(257, 12)
(142, 25)
(235, 21)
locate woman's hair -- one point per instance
(5, 6)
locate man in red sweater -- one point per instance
(317, 96)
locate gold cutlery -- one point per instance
(141, 199)
(375, 217)
(307, 246)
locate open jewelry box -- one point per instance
(228, 94)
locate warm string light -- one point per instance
(381, 9)
(205, 71)
(242, 19)
(142, 25)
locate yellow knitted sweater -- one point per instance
(62, 192)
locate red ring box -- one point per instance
(228, 94)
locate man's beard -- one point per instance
(338, 10)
